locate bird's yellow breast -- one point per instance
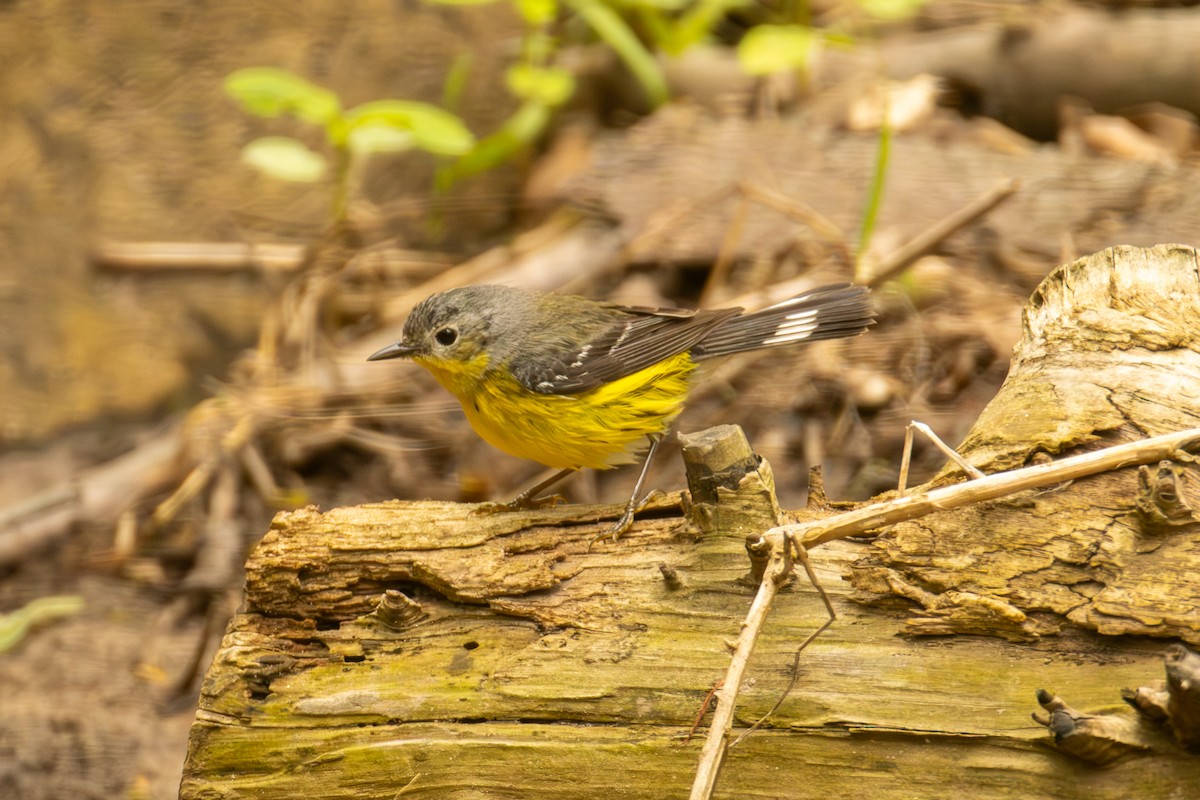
(596, 429)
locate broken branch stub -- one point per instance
(732, 488)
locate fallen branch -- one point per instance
(100, 493)
(778, 568)
(898, 261)
(268, 257)
(1000, 484)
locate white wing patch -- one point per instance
(621, 339)
(791, 301)
(794, 328)
(578, 362)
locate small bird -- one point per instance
(573, 383)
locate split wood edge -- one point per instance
(804, 535)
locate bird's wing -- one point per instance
(623, 341)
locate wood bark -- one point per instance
(536, 666)
(1109, 354)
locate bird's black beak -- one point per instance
(394, 350)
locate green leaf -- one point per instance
(658, 5)
(767, 49)
(270, 92)
(891, 10)
(518, 132)
(838, 39)
(365, 139)
(431, 128)
(537, 13)
(550, 86)
(696, 23)
(285, 158)
(538, 47)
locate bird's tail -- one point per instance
(830, 312)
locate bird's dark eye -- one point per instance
(446, 336)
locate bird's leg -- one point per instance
(529, 499)
(635, 505)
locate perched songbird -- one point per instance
(573, 383)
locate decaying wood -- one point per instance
(524, 685)
(539, 666)
(1109, 355)
(1171, 705)
(912, 505)
(721, 462)
(1183, 696)
(1100, 739)
(1104, 743)
(1069, 49)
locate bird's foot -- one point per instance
(625, 521)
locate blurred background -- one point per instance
(212, 213)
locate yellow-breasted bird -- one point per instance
(573, 383)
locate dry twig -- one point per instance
(898, 261)
(947, 450)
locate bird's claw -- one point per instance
(625, 521)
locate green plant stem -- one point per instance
(341, 183)
(15, 625)
(697, 22)
(455, 84)
(609, 26)
(878, 181)
(518, 132)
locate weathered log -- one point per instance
(526, 665)
(1109, 354)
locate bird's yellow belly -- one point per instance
(597, 429)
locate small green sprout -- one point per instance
(381, 126)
